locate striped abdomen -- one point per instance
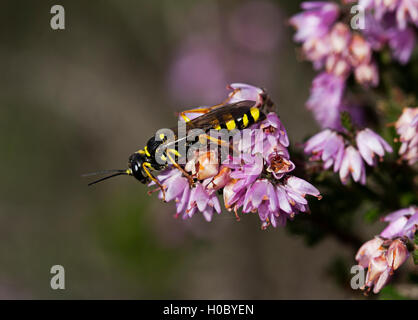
(239, 119)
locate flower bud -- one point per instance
(340, 37)
(397, 254)
(366, 74)
(221, 179)
(360, 50)
(208, 165)
(369, 250)
(228, 192)
(377, 266)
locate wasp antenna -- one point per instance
(102, 172)
(108, 177)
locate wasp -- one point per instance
(229, 116)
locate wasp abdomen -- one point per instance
(253, 115)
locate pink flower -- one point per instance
(378, 273)
(327, 146)
(367, 74)
(325, 99)
(402, 223)
(242, 91)
(381, 258)
(315, 21)
(353, 164)
(369, 250)
(407, 128)
(370, 144)
(397, 254)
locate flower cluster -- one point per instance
(407, 128)
(391, 23)
(388, 251)
(334, 150)
(333, 47)
(255, 179)
(381, 258)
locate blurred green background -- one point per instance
(84, 98)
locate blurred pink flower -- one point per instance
(407, 128)
(197, 72)
(255, 26)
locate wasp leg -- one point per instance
(149, 174)
(175, 164)
(207, 109)
(220, 142)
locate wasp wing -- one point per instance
(212, 119)
(220, 115)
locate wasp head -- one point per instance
(135, 165)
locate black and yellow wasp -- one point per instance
(232, 116)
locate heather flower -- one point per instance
(335, 151)
(397, 254)
(369, 250)
(297, 189)
(353, 164)
(402, 223)
(402, 43)
(385, 31)
(377, 273)
(327, 146)
(204, 201)
(325, 99)
(256, 180)
(261, 197)
(315, 21)
(370, 144)
(387, 252)
(405, 11)
(276, 204)
(367, 75)
(407, 128)
(242, 91)
(204, 165)
(360, 51)
(330, 45)
(381, 258)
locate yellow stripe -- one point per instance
(185, 118)
(245, 120)
(147, 152)
(174, 151)
(230, 125)
(218, 127)
(147, 164)
(255, 113)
